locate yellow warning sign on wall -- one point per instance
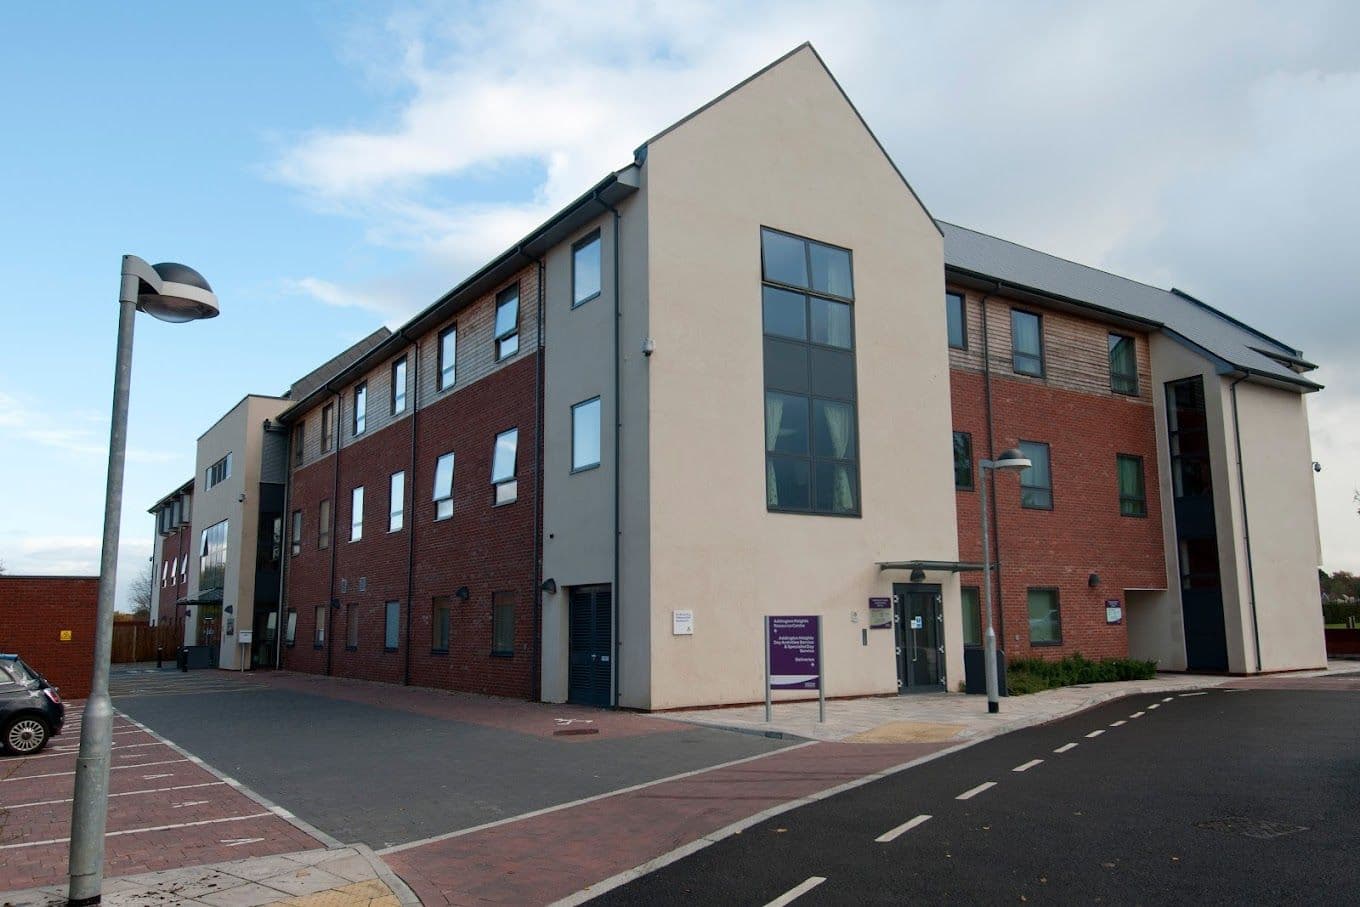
(65, 635)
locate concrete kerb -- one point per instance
(404, 894)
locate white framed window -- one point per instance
(165, 573)
(585, 270)
(219, 472)
(392, 627)
(399, 386)
(448, 356)
(396, 500)
(296, 547)
(319, 628)
(503, 466)
(360, 409)
(356, 514)
(585, 435)
(443, 487)
(507, 322)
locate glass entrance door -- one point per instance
(919, 625)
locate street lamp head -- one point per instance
(168, 291)
(1012, 459)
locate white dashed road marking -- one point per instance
(1026, 766)
(1118, 723)
(1155, 705)
(1168, 698)
(1138, 714)
(1096, 733)
(901, 829)
(797, 892)
(974, 791)
(1200, 693)
(138, 831)
(1065, 747)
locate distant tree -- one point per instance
(2, 567)
(143, 587)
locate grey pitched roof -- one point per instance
(337, 364)
(1212, 333)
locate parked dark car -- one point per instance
(31, 710)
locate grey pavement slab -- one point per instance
(384, 776)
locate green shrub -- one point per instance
(1337, 612)
(1030, 675)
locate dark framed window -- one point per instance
(323, 527)
(220, 471)
(290, 628)
(811, 422)
(1188, 438)
(1036, 481)
(399, 386)
(296, 546)
(392, 626)
(299, 442)
(327, 427)
(1045, 617)
(503, 623)
(360, 415)
(352, 628)
(963, 461)
(318, 626)
(443, 487)
(1027, 343)
(441, 614)
(1123, 365)
(507, 322)
(585, 435)
(503, 467)
(1132, 492)
(972, 616)
(448, 356)
(955, 314)
(585, 270)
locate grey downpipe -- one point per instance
(618, 427)
(1246, 525)
(991, 452)
(536, 676)
(285, 557)
(411, 523)
(331, 602)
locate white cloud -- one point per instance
(79, 434)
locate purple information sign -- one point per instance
(795, 662)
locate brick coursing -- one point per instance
(173, 548)
(33, 612)
(486, 548)
(1086, 426)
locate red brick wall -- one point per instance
(488, 549)
(1084, 533)
(33, 612)
(172, 547)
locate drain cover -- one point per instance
(1251, 828)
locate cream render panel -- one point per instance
(786, 150)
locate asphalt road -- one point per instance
(1243, 797)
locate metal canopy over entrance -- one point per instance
(933, 566)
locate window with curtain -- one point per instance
(963, 461)
(1036, 480)
(585, 270)
(954, 319)
(972, 616)
(811, 422)
(448, 356)
(1123, 365)
(1045, 621)
(443, 487)
(392, 627)
(507, 322)
(1132, 493)
(1027, 343)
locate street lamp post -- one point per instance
(170, 292)
(1009, 459)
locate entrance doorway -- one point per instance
(918, 620)
(209, 629)
(589, 662)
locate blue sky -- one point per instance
(330, 169)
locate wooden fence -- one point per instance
(136, 640)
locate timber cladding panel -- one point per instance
(1085, 532)
(488, 549)
(34, 610)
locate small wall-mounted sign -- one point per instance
(245, 637)
(682, 623)
(65, 635)
(880, 613)
(1114, 611)
(918, 623)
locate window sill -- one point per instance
(1045, 645)
(395, 531)
(1134, 516)
(965, 488)
(439, 651)
(442, 519)
(578, 469)
(855, 515)
(590, 298)
(502, 654)
(1048, 509)
(504, 503)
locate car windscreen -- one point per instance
(6, 676)
(22, 673)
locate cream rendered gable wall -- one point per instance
(786, 150)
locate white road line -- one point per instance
(902, 829)
(154, 777)
(797, 892)
(1065, 747)
(1120, 723)
(74, 750)
(1096, 733)
(1138, 714)
(974, 791)
(1168, 698)
(190, 803)
(1200, 693)
(126, 793)
(1155, 705)
(1026, 766)
(112, 768)
(138, 831)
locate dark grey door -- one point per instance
(919, 626)
(588, 663)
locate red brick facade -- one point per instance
(173, 549)
(1085, 532)
(34, 610)
(488, 549)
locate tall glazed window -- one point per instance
(811, 418)
(212, 557)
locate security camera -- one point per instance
(1317, 467)
(241, 498)
(648, 346)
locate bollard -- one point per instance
(184, 659)
(160, 656)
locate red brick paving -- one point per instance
(541, 859)
(50, 776)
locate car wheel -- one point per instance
(25, 735)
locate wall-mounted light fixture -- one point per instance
(1093, 580)
(918, 575)
(549, 586)
(463, 594)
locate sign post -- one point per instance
(793, 658)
